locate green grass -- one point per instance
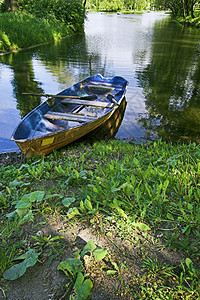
(29, 31)
(147, 194)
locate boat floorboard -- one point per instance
(68, 117)
(88, 103)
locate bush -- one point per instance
(69, 12)
(29, 31)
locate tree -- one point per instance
(11, 5)
(181, 8)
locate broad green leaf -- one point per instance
(78, 282)
(18, 270)
(82, 207)
(68, 201)
(37, 196)
(23, 203)
(143, 226)
(113, 189)
(85, 290)
(73, 212)
(88, 204)
(89, 247)
(189, 264)
(26, 215)
(74, 264)
(100, 253)
(22, 211)
(95, 190)
(11, 215)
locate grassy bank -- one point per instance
(28, 31)
(138, 203)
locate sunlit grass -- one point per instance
(28, 31)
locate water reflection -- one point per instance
(171, 83)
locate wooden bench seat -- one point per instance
(88, 103)
(68, 117)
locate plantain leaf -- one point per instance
(73, 212)
(78, 282)
(67, 201)
(37, 196)
(85, 290)
(100, 253)
(23, 203)
(74, 264)
(18, 270)
(143, 226)
(89, 247)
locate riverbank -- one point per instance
(29, 31)
(39, 22)
(138, 203)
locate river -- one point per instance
(159, 57)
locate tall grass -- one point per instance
(21, 30)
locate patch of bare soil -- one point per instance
(44, 282)
(12, 158)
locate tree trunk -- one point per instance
(184, 14)
(11, 5)
(192, 9)
(84, 3)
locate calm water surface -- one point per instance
(159, 58)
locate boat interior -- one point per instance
(68, 113)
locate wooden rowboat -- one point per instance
(72, 114)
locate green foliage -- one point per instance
(68, 12)
(29, 31)
(111, 5)
(38, 22)
(24, 206)
(73, 268)
(178, 7)
(29, 259)
(134, 191)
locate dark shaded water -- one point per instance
(159, 58)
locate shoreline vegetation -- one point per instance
(128, 214)
(37, 22)
(43, 31)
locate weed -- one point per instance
(74, 269)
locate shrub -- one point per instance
(69, 12)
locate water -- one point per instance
(159, 58)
